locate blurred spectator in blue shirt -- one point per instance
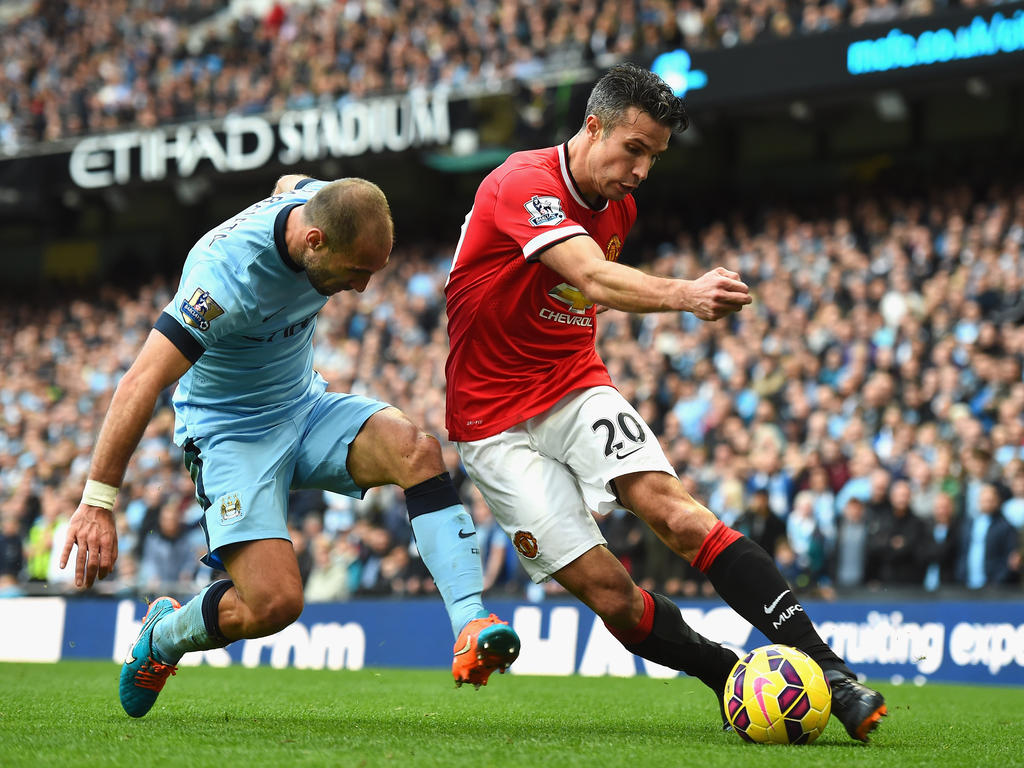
(858, 486)
(988, 541)
(1013, 508)
(851, 553)
(169, 555)
(12, 553)
(941, 545)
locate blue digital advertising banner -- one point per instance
(912, 642)
(941, 45)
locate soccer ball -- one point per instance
(777, 695)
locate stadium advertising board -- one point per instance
(975, 642)
(247, 142)
(873, 55)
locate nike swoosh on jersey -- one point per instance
(464, 535)
(282, 309)
(770, 608)
(621, 455)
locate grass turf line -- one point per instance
(53, 715)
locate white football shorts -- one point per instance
(543, 478)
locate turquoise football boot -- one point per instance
(142, 674)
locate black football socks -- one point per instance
(746, 577)
(663, 637)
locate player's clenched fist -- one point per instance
(716, 294)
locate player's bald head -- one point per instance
(348, 209)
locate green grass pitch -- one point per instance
(67, 714)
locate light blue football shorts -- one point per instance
(243, 478)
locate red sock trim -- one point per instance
(718, 538)
(642, 630)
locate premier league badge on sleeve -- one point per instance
(200, 310)
(544, 211)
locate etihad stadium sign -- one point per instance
(247, 142)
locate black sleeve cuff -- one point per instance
(303, 182)
(179, 337)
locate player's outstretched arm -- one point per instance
(91, 528)
(580, 260)
(287, 183)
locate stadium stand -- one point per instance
(882, 357)
(881, 362)
(73, 68)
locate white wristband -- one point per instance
(99, 494)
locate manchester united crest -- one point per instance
(526, 543)
(613, 249)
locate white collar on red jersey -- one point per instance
(570, 182)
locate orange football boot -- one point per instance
(484, 645)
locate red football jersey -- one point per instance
(521, 336)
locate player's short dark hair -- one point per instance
(342, 208)
(628, 85)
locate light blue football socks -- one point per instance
(194, 627)
(449, 546)
(447, 543)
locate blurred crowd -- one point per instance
(863, 419)
(71, 67)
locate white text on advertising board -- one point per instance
(243, 143)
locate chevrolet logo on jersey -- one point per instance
(200, 310)
(566, 294)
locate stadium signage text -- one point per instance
(976, 642)
(244, 143)
(899, 50)
(964, 41)
(326, 645)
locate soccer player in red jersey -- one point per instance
(536, 418)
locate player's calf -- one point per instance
(662, 636)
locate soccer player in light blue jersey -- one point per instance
(254, 420)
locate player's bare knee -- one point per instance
(424, 458)
(686, 527)
(615, 606)
(279, 612)
(611, 598)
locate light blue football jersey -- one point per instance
(245, 314)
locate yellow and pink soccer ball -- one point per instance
(777, 695)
